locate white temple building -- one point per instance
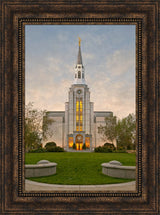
(79, 123)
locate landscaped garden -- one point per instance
(80, 168)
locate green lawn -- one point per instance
(80, 168)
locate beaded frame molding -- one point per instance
(14, 16)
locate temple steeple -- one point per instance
(79, 58)
(79, 69)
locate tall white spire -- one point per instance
(79, 69)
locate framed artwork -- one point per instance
(78, 109)
(81, 62)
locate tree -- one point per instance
(34, 125)
(109, 130)
(126, 132)
(121, 130)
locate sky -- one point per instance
(108, 54)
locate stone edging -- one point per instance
(37, 186)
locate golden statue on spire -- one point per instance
(79, 41)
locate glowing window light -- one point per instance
(79, 116)
(70, 140)
(87, 141)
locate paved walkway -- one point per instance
(36, 186)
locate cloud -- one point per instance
(48, 86)
(113, 87)
(109, 91)
(120, 62)
(109, 69)
(88, 56)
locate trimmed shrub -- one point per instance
(38, 150)
(58, 149)
(102, 149)
(110, 146)
(74, 146)
(84, 146)
(107, 147)
(50, 146)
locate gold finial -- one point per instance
(79, 41)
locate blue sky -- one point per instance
(108, 53)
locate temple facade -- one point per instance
(77, 126)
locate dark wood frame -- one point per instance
(15, 14)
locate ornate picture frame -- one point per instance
(15, 15)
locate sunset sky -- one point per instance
(108, 53)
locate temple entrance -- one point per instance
(79, 142)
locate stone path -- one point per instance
(36, 186)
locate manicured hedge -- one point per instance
(52, 147)
(102, 149)
(106, 148)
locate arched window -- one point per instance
(82, 75)
(79, 74)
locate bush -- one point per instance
(110, 146)
(107, 147)
(55, 149)
(38, 150)
(129, 147)
(121, 149)
(84, 146)
(58, 149)
(74, 146)
(102, 149)
(50, 146)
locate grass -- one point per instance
(80, 168)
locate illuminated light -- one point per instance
(87, 141)
(70, 140)
(79, 116)
(77, 146)
(80, 146)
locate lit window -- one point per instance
(79, 116)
